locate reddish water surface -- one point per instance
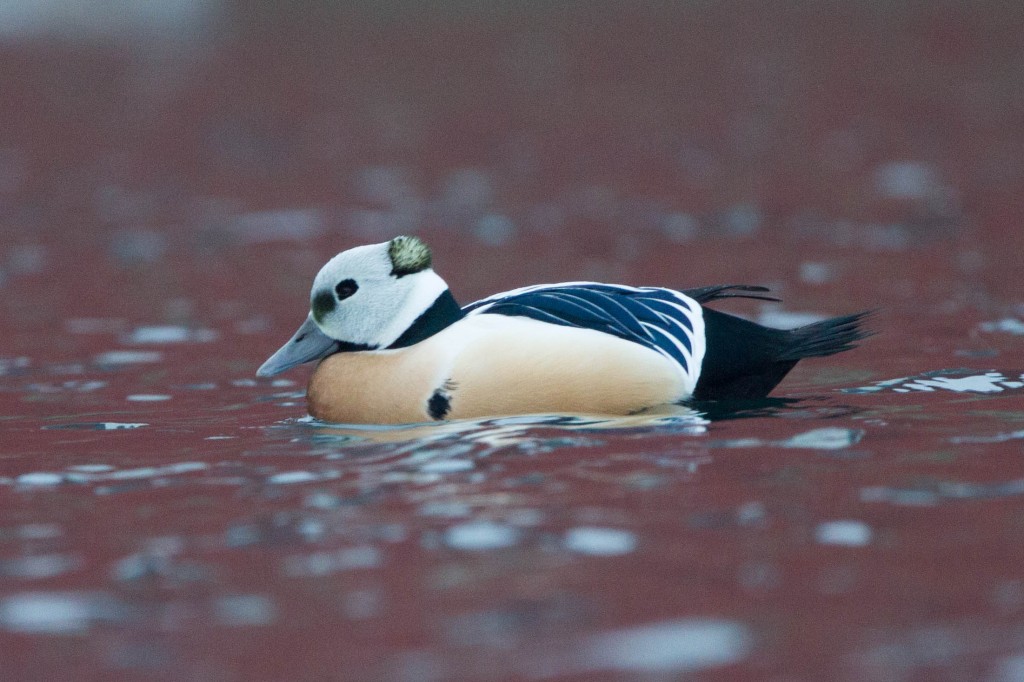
(170, 183)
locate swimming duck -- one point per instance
(395, 347)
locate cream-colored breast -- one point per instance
(491, 365)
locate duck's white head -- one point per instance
(365, 298)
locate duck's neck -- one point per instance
(444, 311)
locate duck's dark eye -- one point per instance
(346, 288)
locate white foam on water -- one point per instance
(597, 541)
(845, 532)
(147, 397)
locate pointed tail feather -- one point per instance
(746, 360)
(828, 337)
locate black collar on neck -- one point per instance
(441, 313)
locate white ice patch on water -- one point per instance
(597, 541)
(99, 426)
(326, 563)
(985, 383)
(240, 610)
(1009, 669)
(7, 365)
(774, 316)
(907, 180)
(99, 473)
(481, 536)
(903, 497)
(147, 397)
(845, 532)
(39, 566)
(128, 357)
(169, 333)
(816, 273)
(829, 438)
(447, 466)
(290, 477)
(94, 325)
(997, 438)
(495, 229)
(667, 647)
(296, 224)
(989, 382)
(149, 472)
(52, 613)
(40, 479)
(1007, 325)
(446, 509)
(39, 531)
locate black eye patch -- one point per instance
(323, 303)
(346, 288)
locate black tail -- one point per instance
(745, 360)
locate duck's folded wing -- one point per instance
(663, 320)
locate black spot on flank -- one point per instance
(438, 405)
(346, 288)
(323, 303)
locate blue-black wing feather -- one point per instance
(655, 318)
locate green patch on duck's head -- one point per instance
(408, 255)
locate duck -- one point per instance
(393, 346)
